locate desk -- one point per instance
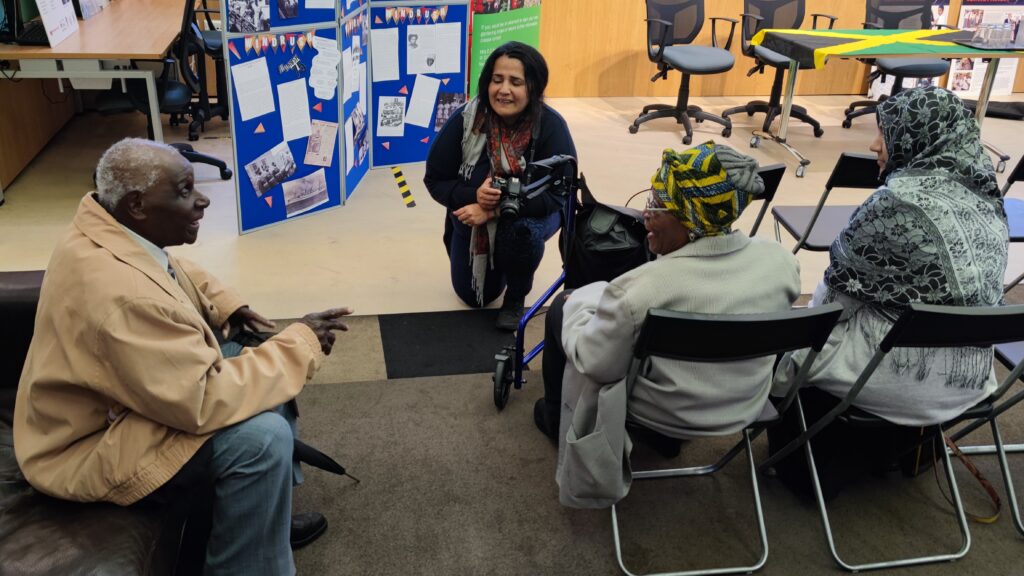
(124, 30)
(812, 48)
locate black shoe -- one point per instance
(306, 528)
(542, 422)
(510, 313)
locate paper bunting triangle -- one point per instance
(386, 145)
(376, 20)
(248, 44)
(445, 81)
(404, 90)
(302, 42)
(426, 140)
(256, 46)
(269, 200)
(259, 129)
(233, 49)
(389, 14)
(444, 12)
(435, 15)
(319, 107)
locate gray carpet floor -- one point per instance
(451, 486)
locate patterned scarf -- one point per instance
(506, 149)
(936, 232)
(707, 187)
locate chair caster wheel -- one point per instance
(727, 132)
(1001, 166)
(755, 141)
(847, 123)
(687, 139)
(750, 113)
(226, 174)
(818, 132)
(800, 171)
(699, 120)
(502, 380)
(633, 128)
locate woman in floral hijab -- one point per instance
(934, 233)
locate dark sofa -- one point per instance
(42, 535)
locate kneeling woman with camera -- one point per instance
(495, 238)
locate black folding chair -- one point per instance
(772, 176)
(815, 227)
(1014, 214)
(697, 338)
(923, 326)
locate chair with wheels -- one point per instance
(213, 46)
(697, 338)
(763, 14)
(815, 227)
(671, 27)
(921, 326)
(889, 15)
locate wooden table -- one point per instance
(124, 30)
(813, 48)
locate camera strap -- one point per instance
(534, 136)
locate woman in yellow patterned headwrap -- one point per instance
(703, 266)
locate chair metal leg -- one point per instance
(744, 444)
(958, 504)
(1011, 494)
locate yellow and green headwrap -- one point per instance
(706, 187)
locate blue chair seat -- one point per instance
(1015, 218)
(699, 59)
(913, 67)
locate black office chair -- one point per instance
(762, 14)
(697, 338)
(213, 46)
(671, 26)
(816, 227)
(922, 326)
(897, 14)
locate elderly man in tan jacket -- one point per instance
(126, 395)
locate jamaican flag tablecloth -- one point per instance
(810, 48)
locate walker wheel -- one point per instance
(633, 128)
(1001, 166)
(502, 380)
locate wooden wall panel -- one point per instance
(597, 48)
(28, 121)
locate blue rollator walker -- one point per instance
(561, 178)
(562, 175)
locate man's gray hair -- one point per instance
(131, 164)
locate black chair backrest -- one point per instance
(189, 51)
(728, 338)
(686, 17)
(854, 170)
(931, 326)
(772, 176)
(899, 14)
(775, 14)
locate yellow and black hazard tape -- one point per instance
(403, 187)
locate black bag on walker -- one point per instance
(605, 241)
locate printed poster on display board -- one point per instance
(355, 129)
(495, 22)
(418, 77)
(284, 90)
(966, 74)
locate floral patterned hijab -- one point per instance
(936, 232)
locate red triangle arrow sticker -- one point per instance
(259, 129)
(269, 200)
(376, 20)
(444, 81)
(386, 145)
(426, 140)
(319, 107)
(404, 90)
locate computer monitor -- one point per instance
(27, 10)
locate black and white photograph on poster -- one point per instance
(391, 116)
(447, 104)
(270, 169)
(363, 144)
(962, 81)
(287, 9)
(358, 118)
(248, 16)
(304, 194)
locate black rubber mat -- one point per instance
(442, 343)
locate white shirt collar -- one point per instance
(155, 251)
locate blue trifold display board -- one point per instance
(286, 142)
(414, 46)
(355, 131)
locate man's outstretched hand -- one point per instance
(325, 323)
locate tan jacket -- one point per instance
(124, 379)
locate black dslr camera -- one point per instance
(511, 196)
